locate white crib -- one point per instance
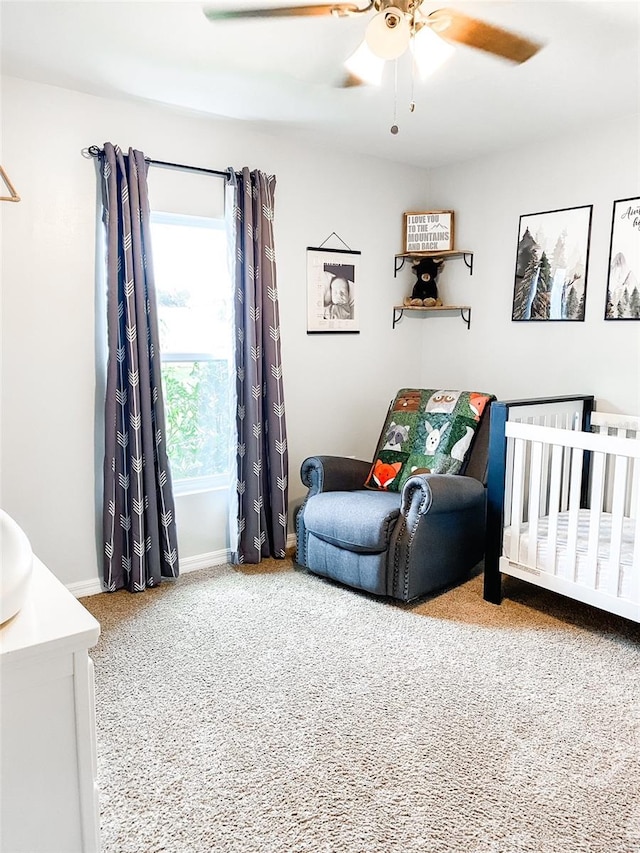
(564, 502)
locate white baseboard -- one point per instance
(84, 588)
(187, 564)
(203, 561)
(217, 558)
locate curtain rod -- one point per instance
(96, 151)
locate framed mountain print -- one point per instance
(623, 281)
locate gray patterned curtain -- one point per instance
(262, 485)
(140, 544)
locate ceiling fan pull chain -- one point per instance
(412, 48)
(412, 102)
(394, 126)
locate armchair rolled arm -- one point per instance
(441, 535)
(333, 474)
(438, 493)
(326, 474)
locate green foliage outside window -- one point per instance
(197, 410)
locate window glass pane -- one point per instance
(192, 283)
(186, 193)
(197, 417)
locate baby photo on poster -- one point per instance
(331, 290)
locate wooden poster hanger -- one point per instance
(13, 194)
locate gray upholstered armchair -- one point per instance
(403, 544)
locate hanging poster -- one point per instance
(332, 282)
(623, 299)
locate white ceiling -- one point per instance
(283, 72)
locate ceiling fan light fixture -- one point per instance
(429, 51)
(365, 65)
(388, 33)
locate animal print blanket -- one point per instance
(426, 431)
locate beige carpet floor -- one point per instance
(265, 710)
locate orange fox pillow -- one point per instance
(383, 473)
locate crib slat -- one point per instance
(535, 477)
(635, 487)
(617, 519)
(554, 503)
(574, 509)
(508, 483)
(635, 571)
(544, 481)
(517, 498)
(623, 432)
(564, 501)
(549, 420)
(595, 515)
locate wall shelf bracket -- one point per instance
(399, 262)
(397, 315)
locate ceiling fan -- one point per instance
(398, 25)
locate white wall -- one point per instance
(523, 359)
(336, 387)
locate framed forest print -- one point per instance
(551, 264)
(623, 281)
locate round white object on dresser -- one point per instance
(15, 567)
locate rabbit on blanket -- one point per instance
(434, 437)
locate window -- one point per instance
(195, 320)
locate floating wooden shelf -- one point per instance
(465, 311)
(467, 256)
(443, 253)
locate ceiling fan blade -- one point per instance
(338, 10)
(454, 26)
(350, 81)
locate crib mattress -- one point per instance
(581, 573)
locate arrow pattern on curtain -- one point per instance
(262, 457)
(140, 545)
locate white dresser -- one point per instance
(49, 795)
